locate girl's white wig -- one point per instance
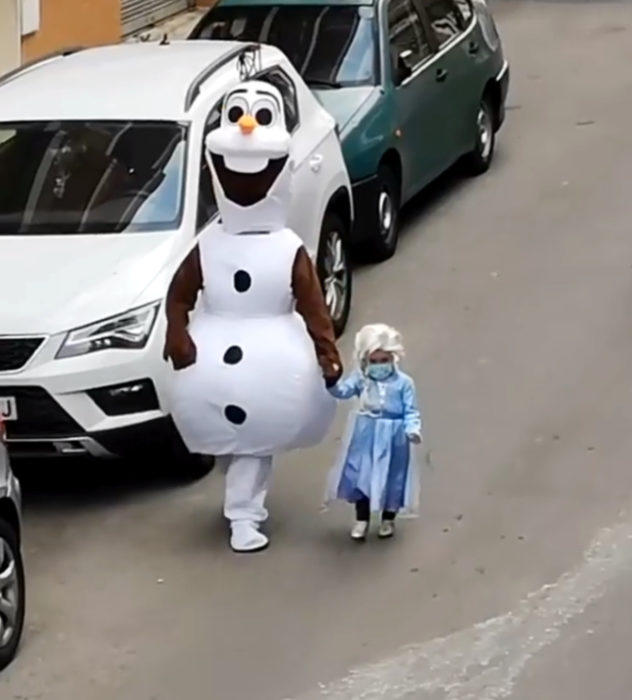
(377, 336)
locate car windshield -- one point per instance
(330, 46)
(74, 177)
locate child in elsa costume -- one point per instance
(376, 470)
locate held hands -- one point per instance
(330, 382)
(332, 375)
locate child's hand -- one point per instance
(415, 438)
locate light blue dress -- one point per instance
(376, 461)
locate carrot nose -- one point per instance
(247, 124)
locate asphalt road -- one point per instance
(514, 294)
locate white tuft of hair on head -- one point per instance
(377, 336)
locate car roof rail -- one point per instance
(16, 72)
(203, 75)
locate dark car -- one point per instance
(11, 566)
(415, 86)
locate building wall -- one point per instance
(66, 23)
(9, 35)
(63, 23)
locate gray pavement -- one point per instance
(514, 292)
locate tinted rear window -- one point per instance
(328, 45)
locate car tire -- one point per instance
(383, 242)
(479, 159)
(334, 270)
(13, 591)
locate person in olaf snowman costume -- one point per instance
(254, 364)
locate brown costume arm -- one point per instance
(310, 304)
(181, 298)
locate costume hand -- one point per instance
(332, 375)
(182, 351)
(330, 382)
(415, 438)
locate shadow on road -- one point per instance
(447, 187)
(78, 483)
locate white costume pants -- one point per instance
(247, 482)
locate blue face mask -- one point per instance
(380, 372)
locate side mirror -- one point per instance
(404, 66)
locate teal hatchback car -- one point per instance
(415, 86)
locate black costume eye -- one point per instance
(235, 114)
(264, 116)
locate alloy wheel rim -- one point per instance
(386, 213)
(484, 126)
(336, 275)
(9, 593)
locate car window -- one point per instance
(444, 19)
(207, 204)
(406, 34)
(282, 81)
(466, 11)
(91, 177)
(329, 45)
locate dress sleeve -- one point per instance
(181, 298)
(412, 416)
(347, 388)
(310, 304)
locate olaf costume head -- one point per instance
(249, 158)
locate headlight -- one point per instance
(127, 331)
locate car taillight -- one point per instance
(3, 431)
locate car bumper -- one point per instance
(364, 193)
(502, 80)
(105, 404)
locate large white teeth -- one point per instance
(245, 164)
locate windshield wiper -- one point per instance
(322, 82)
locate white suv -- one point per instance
(103, 191)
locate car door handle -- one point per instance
(315, 162)
(473, 48)
(441, 75)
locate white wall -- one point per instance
(9, 35)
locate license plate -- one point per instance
(8, 408)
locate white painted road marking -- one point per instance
(483, 662)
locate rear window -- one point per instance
(329, 45)
(73, 177)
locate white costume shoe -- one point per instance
(245, 537)
(387, 529)
(359, 531)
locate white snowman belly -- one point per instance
(256, 387)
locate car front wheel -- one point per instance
(334, 270)
(12, 594)
(383, 242)
(478, 160)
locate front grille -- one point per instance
(16, 352)
(39, 415)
